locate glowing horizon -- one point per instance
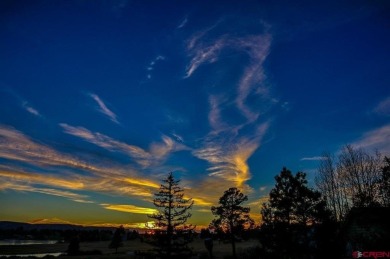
(100, 101)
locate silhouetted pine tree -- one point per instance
(173, 214)
(291, 214)
(116, 241)
(231, 216)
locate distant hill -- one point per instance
(8, 225)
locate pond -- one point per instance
(16, 242)
(36, 255)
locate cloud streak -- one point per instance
(30, 109)
(383, 108)
(22, 186)
(183, 23)
(377, 139)
(16, 148)
(141, 156)
(104, 109)
(229, 145)
(158, 150)
(201, 55)
(152, 65)
(314, 158)
(14, 145)
(129, 208)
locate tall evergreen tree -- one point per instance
(231, 216)
(289, 214)
(292, 202)
(116, 241)
(173, 211)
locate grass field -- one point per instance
(220, 250)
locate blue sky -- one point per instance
(101, 99)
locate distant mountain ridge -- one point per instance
(57, 226)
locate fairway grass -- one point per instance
(129, 247)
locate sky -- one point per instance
(100, 100)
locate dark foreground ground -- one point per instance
(220, 250)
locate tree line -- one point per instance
(297, 221)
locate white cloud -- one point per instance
(106, 178)
(30, 109)
(208, 54)
(179, 138)
(104, 109)
(383, 108)
(140, 155)
(183, 23)
(231, 142)
(377, 139)
(253, 77)
(159, 151)
(152, 65)
(14, 145)
(314, 158)
(228, 156)
(263, 188)
(215, 116)
(6, 183)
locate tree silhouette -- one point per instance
(292, 202)
(74, 246)
(173, 212)
(354, 178)
(290, 212)
(330, 183)
(230, 215)
(116, 241)
(385, 183)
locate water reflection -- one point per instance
(36, 255)
(16, 242)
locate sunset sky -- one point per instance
(100, 100)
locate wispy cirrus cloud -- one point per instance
(215, 113)
(61, 193)
(14, 145)
(207, 54)
(383, 108)
(43, 179)
(21, 152)
(104, 109)
(21, 101)
(141, 156)
(377, 139)
(23, 186)
(183, 23)
(228, 155)
(152, 65)
(313, 158)
(231, 143)
(158, 150)
(31, 109)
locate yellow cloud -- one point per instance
(142, 182)
(129, 208)
(201, 202)
(43, 179)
